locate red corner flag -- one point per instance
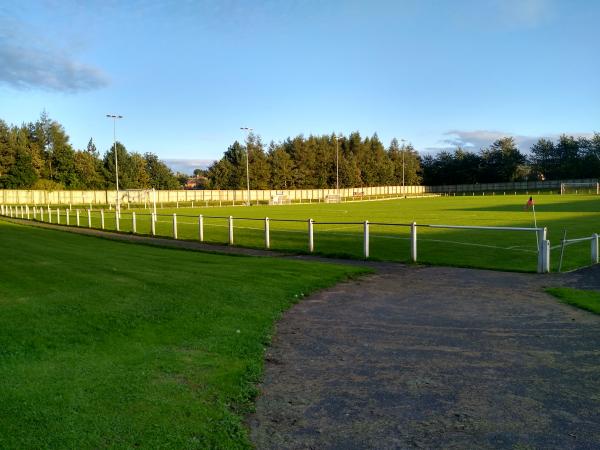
(529, 203)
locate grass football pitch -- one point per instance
(578, 215)
(114, 345)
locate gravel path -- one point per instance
(433, 357)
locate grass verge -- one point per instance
(108, 344)
(588, 300)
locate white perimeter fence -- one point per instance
(66, 217)
(200, 197)
(225, 197)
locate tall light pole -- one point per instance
(337, 165)
(114, 117)
(248, 131)
(403, 150)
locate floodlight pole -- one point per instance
(248, 131)
(403, 149)
(337, 165)
(114, 117)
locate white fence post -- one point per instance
(153, 223)
(49, 215)
(34, 213)
(413, 242)
(27, 209)
(595, 253)
(366, 240)
(267, 234)
(41, 214)
(174, 226)
(546, 254)
(133, 223)
(230, 230)
(67, 214)
(201, 228)
(89, 218)
(58, 216)
(311, 239)
(541, 238)
(102, 218)
(77, 214)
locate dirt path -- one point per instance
(433, 358)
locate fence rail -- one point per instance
(55, 215)
(594, 248)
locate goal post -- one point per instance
(141, 197)
(333, 198)
(279, 199)
(580, 188)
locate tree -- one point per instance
(88, 170)
(161, 177)
(282, 167)
(501, 161)
(21, 173)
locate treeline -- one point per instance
(38, 155)
(311, 162)
(567, 158)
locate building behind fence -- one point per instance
(107, 197)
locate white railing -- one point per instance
(543, 247)
(594, 248)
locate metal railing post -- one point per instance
(541, 238)
(133, 223)
(413, 242)
(67, 214)
(58, 216)
(201, 228)
(102, 218)
(267, 233)
(174, 226)
(366, 240)
(595, 249)
(153, 219)
(117, 220)
(77, 214)
(89, 211)
(311, 237)
(546, 260)
(230, 230)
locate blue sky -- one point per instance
(188, 74)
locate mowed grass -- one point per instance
(579, 215)
(588, 300)
(115, 345)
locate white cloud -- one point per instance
(475, 140)
(28, 65)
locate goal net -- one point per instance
(138, 197)
(580, 188)
(279, 199)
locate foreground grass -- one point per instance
(588, 300)
(106, 344)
